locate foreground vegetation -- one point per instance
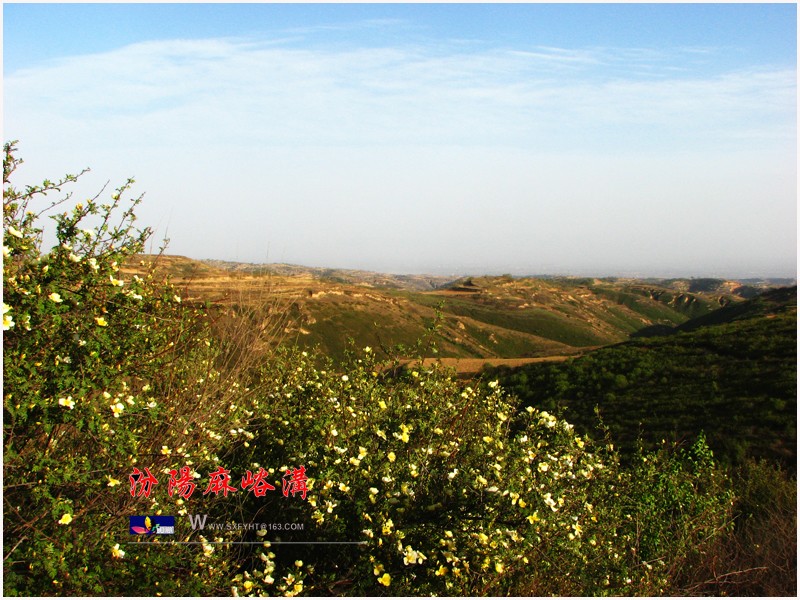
(416, 483)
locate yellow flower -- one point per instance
(385, 579)
(68, 402)
(101, 321)
(533, 518)
(66, 519)
(391, 456)
(498, 566)
(116, 282)
(442, 570)
(117, 408)
(116, 552)
(404, 435)
(112, 482)
(382, 404)
(55, 297)
(8, 322)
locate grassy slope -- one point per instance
(734, 378)
(480, 317)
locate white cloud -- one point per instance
(384, 95)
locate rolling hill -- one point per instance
(473, 317)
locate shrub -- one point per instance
(100, 375)
(453, 490)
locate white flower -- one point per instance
(14, 231)
(8, 322)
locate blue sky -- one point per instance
(523, 138)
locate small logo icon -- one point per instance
(152, 525)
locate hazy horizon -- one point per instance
(588, 140)
(520, 272)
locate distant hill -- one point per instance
(347, 276)
(475, 317)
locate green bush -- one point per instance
(100, 375)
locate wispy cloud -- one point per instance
(393, 94)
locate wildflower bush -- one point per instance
(101, 374)
(417, 483)
(454, 491)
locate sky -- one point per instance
(579, 139)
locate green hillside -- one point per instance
(485, 317)
(731, 373)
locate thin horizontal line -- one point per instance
(246, 543)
